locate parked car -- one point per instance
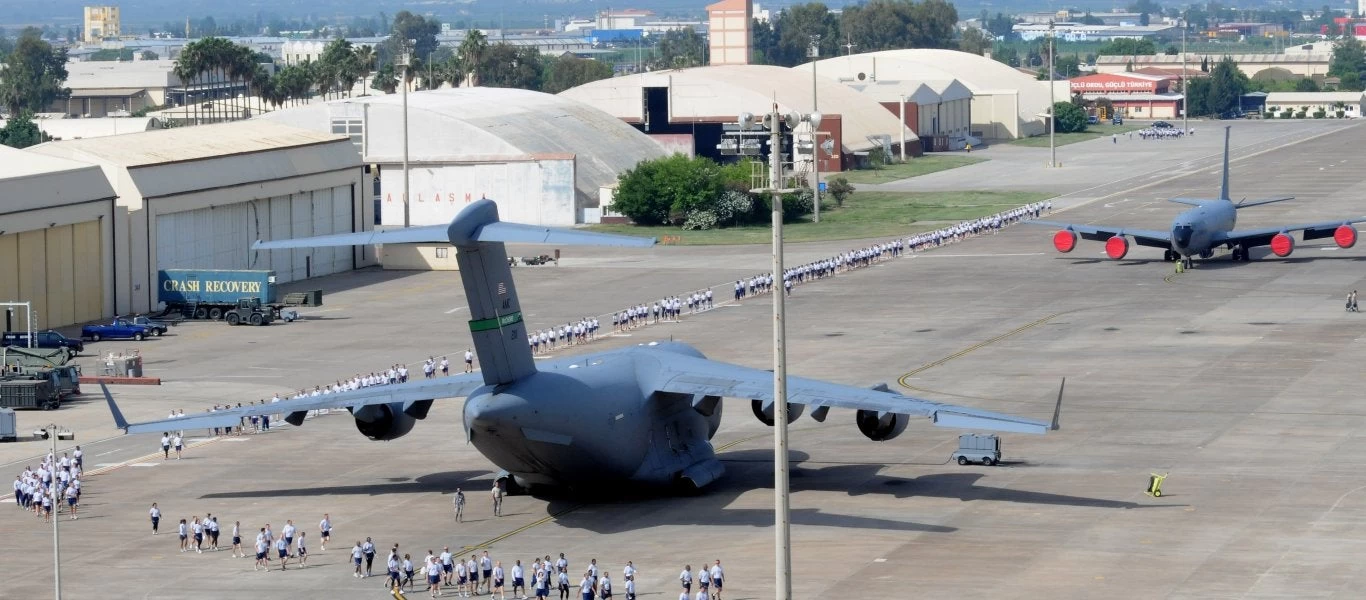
(1092, 120)
(1116, 120)
(119, 329)
(1162, 125)
(43, 339)
(157, 327)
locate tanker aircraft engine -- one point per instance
(1201, 230)
(640, 415)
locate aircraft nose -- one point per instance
(1182, 235)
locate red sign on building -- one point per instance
(1119, 83)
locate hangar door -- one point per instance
(221, 237)
(58, 269)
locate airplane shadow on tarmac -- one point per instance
(438, 483)
(751, 469)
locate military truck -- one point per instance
(249, 311)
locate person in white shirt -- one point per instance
(703, 579)
(237, 550)
(462, 578)
(434, 576)
(155, 515)
(447, 569)
(497, 493)
(282, 548)
(177, 442)
(586, 587)
(166, 446)
(716, 579)
(198, 529)
(630, 589)
(701, 595)
(518, 581)
(407, 571)
(325, 529)
(302, 551)
(260, 555)
(685, 578)
(563, 579)
(605, 587)
(498, 581)
(356, 556)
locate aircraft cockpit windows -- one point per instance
(1181, 234)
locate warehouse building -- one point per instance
(1349, 105)
(692, 108)
(1134, 95)
(57, 232)
(1005, 104)
(542, 158)
(939, 111)
(197, 197)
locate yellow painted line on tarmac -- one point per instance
(978, 346)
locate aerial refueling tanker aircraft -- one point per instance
(1201, 230)
(643, 414)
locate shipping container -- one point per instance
(207, 293)
(9, 427)
(28, 393)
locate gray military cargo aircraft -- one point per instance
(1201, 230)
(643, 414)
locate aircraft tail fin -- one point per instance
(1223, 189)
(500, 338)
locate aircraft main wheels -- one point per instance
(1237, 253)
(962, 460)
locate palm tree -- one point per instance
(366, 56)
(471, 54)
(186, 69)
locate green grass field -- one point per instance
(1092, 132)
(924, 165)
(864, 215)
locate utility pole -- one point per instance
(56, 539)
(814, 53)
(782, 516)
(1052, 103)
(407, 51)
(1185, 85)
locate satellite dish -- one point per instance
(768, 121)
(746, 121)
(828, 146)
(815, 119)
(792, 119)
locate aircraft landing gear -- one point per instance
(1169, 256)
(1207, 254)
(1240, 253)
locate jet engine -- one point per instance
(1065, 240)
(1345, 236)
(880, 426)
(384, 422)
(1116, 247)
(1282, 245)
(763, 410)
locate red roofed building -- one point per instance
(1135, 95)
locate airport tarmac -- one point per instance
(1240, 379)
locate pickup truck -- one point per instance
(43, 339)
(119, 329)
(158, 327)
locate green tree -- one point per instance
(792, 31)
(1005, 54)
(507, 66)
(1069, 118)
(1349, 58)
(1226, 86)
(471, 55)
(1197, 96)
(893, 24)
(21, 132)
(1127, 47)
(568, 72)
(1090, 19)
(665, 190)
(840, 189)
(1306, 84)
(679, 49)
(33, 74)
(149, 55)
(420, 30)
(386, 79)
(365, 60)
(339, 64)
(1172, 50)
(1002, 26)
(974, 41)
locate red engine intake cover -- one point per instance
(1116, 247)
(1065, 240)
(1345, 236)
(1282, 245)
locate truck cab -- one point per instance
(249, 311)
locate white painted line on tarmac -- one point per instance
(236, 439)
(109, 452)
(146, 464)
(456, 309)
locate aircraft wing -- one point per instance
(456, 386)
(1262, 235)
(1143, 237)
(692, 375)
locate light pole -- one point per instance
(407, 52)
(1052, 103)
(56, 539)
(814, 52)
(775, 121)
(1185, 85)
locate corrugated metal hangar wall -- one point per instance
(59, 269)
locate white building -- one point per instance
(1350, 103)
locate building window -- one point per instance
(441, 252)
(353, 128)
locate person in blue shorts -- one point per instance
(434, 576)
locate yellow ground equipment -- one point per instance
(1155, 484)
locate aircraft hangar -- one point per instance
(544, 159)
(197, 197)
(57, 227)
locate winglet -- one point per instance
(1057, 409)
(119, 421)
